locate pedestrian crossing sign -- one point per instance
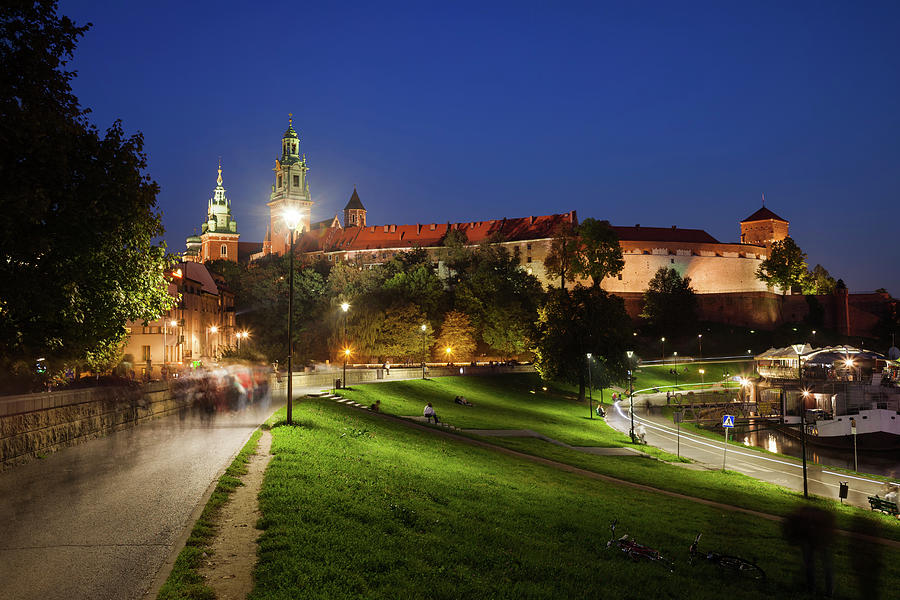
(727, 420)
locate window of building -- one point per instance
(279, 181)
(296, 181)
(620, 277)
(672, 260)
(224, 250)
(145, 353)
(528, 246)
(528, 259)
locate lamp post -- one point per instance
(630, 353)
(590, 387)
(448, 351)
(798, 348)
(346, 356)
(676, 371)
(700, 341)
(166, 325)
(291, 218)
(702, 371)
(345, 306)
(663, 355)
(424, 329)
(212, 329)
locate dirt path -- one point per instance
(229, 569)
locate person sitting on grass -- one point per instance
(376, 407)
(463, 401)
(430, 414)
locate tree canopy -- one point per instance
(78, 215)
(590, 250)
(670, 305)
(785, 266)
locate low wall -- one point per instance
(37, 424)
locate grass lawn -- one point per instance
(649, 376)
(507, 402)
(355, 505)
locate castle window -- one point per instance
(528, 259)
(279, 182)
(620, 277)
(296, 181)
(672, 260)
(528, 246)
(224, 250)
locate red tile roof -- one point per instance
(429, 235)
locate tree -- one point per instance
(560, 258)
(457, 334)
(573, 324)
(820, 281)
(500, 298)
(785, 267)
(599, 251)
(78, 216)
(400, 335)
(670, 305)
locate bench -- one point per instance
(883, 505)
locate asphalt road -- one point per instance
(100, 519)
(784, 471)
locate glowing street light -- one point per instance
(448, 351)
(663, 342)
(345, 306)
(291, 216)
(424, 329)
(702, 372)
(346, 356)
(211, 329)
(798, 348)
(630, 353)
(241, 335)
(166, 326)
(590, 388)
(700, 341)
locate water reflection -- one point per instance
(763, 435)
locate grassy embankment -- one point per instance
(184, 582)
(356, 505)
(518, 402)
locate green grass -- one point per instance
(515, 401)
(185, 582)
(355, 505)
(649, 376)
(507, 402)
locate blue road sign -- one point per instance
(727, 420)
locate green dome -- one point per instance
(290, 133)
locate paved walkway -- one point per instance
(598, 450)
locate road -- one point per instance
(783, 471)
(98, 520)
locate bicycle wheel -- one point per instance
(744, 567)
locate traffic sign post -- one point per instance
(727, 423)
(678, 417)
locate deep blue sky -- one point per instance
(669, 113)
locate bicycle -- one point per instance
(743, 567)
(634, 550)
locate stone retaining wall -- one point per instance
(34, 425)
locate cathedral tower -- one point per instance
(218, 236)
(290, 190)
(354, 212)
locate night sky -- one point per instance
(669, 113)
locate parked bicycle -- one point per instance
(634, 550)
(741, 566)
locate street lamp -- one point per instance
(630, 353)
(798, 348)
(663, 357)
(241, 335)
(448, 350)
(211, 329)
(291, 216)
(346, 356)
(424, 329)
(590, 388)
(701, 377)
(676, 371)
(166, 325)
(700, 341)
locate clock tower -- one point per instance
(289, 190)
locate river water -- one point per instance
(762, 435)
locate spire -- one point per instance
(219, 178)
(764, 199)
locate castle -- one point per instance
(714, 267)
